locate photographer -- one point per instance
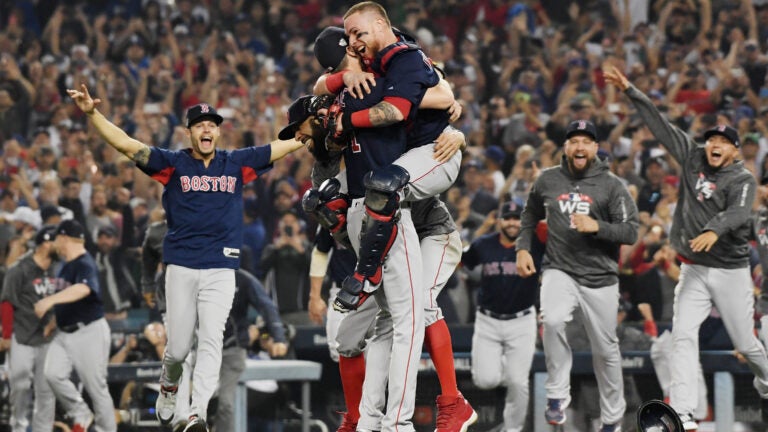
(286, 264)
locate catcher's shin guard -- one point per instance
(382, 200)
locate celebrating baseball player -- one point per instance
(407, 74)
(589, 214)
(440, 245)
(203, 204)
(27, 281)
(83, 339)
(710, 232)
(504, 340)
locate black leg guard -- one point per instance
(379, 233)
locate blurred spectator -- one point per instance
(286, 265)
(115, 278)
(481, 199)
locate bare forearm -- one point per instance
(280, 148)
(384, 114)
(117, 138)
(71, 294)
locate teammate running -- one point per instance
(710, 232)
(504, 340)
(27, 281)
(203, 204)
(589, 214)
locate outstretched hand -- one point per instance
(83, 99)
(615, 77)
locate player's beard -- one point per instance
(507, 236)
(579, 172)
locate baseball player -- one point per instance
(710, 232)
(440, 253)
(504, 340)
(83, 339)
(760, 233)
(203, 204)
(589, 214)
(28, 280)
(406, 75)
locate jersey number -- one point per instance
(355, 145)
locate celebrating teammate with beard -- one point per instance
(505, 325)
(589, 214)
(29, 280)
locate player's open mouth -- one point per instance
(206, 140)
(579, 159)
(716, 156)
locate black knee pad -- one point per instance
(382, 188)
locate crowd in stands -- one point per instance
(522, 71)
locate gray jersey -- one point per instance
(431, 217)
(709, 200)
(590, 259)
(25, 283)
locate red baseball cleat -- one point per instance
(454, 414)
(347, 424)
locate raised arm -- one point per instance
(113, 135)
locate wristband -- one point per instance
(335, 82)
(358, 119)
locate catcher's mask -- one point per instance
(656, 416)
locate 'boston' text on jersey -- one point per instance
(206, 183)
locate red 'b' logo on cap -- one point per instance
(204, 108)
(582, 124)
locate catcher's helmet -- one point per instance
(656, 416)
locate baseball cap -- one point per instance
(46, 233)
(494, 153)
(511, 209)
(107, 230)
(672, 180)
(201, 112)
(724, 130)
(71, 228)
(585, 127)
(330, 47)
(297, 113)
(48, 211)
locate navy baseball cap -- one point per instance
(511, 209)
(297, 113)
(584, 127)
(726, 131)
(46, 233)
(71, 228)
(330, 47)
(202, 112)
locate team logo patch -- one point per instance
(574, 203)
(204, 108)
(761, 237)
(704, 188)
(231, 252)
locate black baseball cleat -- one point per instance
(196, 424)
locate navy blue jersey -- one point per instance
(407, 72)
(343, 260)
(501, 289)
(81, 270)
(369, 148)
(204, 206)
(426, 127)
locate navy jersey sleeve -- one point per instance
(87, 273)
(259, 299)
(470, 257)
(161, 164)
(324, 240)
(409, 75)
(253, 160)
